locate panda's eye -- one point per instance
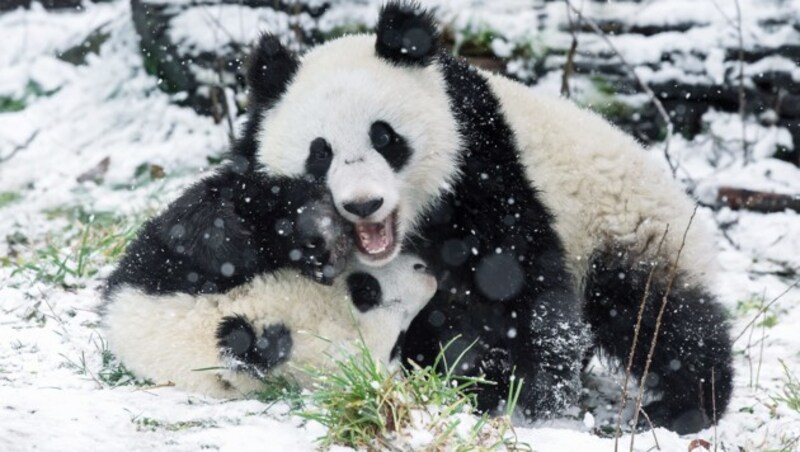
(381, 135)
(319, 158)
(389, 144)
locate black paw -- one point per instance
(682, 421)
(326, 240)
(496, 367)
(258, 354)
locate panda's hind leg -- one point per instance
(693, 338)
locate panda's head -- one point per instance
(406, 285)
(369, 116)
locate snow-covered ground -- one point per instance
(107, 123)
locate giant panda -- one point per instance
(541, 220)
(277, 324)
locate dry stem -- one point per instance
(636, 330)
(673, 272)
(650, 94)
(764, 309)
(569, 65)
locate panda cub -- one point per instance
(223, 344)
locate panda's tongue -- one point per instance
(375, 238)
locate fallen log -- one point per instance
(758, 201)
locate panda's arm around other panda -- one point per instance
(229, 227)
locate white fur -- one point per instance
(339, 92)
(602, 186)
(170, 337)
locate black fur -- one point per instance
(502, 278)
(319, 158)
(390, 145)
(397, 348)
(270, 70)
(406, 34)
(236, 339)
(224, 230)
(365, 291)
(693, 337)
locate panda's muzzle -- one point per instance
(377, 241)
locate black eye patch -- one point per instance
(319, 158)
(389, 144)
(365, 291)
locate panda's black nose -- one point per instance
(365, 208)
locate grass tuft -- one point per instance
(362, 405)
(89, 241)
(279, 388)
(111, 373)
(790, 394)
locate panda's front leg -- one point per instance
(245, 348)
(546, 354)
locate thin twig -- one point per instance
(742, 98)
(650, 94)
(714, 403)
(737, 25)
(761, 347)
(652, 429)
(748, 349)
(673, 272)
(764, 309)
(569, 65)
(20, 147)
(226, 108)
(636, 330)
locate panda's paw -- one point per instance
(546, 394)
(682, 421)
(326, 240)
(495, 366)
(245, 350)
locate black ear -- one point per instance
(270, 69)
(406, 34)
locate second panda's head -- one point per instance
(367, 115)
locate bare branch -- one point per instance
(20, 147)
(569, 65)
(636, 330)
(714, 404)
(650, 94)
(764, 309)
(672, 274)
(742, 98)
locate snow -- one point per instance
(225, 23)
(110, 107)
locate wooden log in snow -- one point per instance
(739, 198)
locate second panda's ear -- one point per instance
(270, 69)
(406, 34)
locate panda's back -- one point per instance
(603, 187)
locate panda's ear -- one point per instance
(406, 34)
(270, 69)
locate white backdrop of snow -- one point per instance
(112, 108)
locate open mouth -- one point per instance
(377, 241)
